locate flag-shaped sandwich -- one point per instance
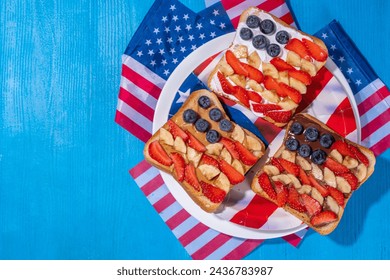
(204, 150)
(268, 66)
(314, 173)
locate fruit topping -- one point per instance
(343, 148)
(202, 125)
(271, 84)
(225, 125)
(273, 50)
(254, 96)
(326, 140)
(303, 177)
(225, 84)
(360, 156)
(231, 147)
(176, 130)
(300, 76)
(290, 167)
(253, 73)
(266, 185)
(235, 63)
(245, 155)
(191, 178)
(213, 193)
(298, 47)
(292, 144)
(204, 102)
(322, 189)
(293, 200)
(215, 114)
(304, 150)
(242, 95)
(190, 116)
(318, 156)
(337, 195)
(296, 128)
(260, 42)
(315, 50)
(157, 152)
(262, 108)
(280, 64)
(178, 165)
(295, 95)
(282, 37)
(233, 175)
(323, 218)
(206, 159)
(275, 162)
(281, 193)
(279, 116)
(246, 34)
(336, 167)
(313, 207)
(253, 21)
(267, 26)
(311, 134)
(351, 179)
(213, 136)
(195, 143)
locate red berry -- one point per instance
(323, 218)
(322, 189)
(212, 192)
(157, 152)
(271, 84)
(225, 84)
(176, 130)
(359, 155)
(191, 178)
(281, 193)
(313, 207)
(206, 159)
(300, 76)
(245, 155)
(262, 108)
(343, 148)
(299, 48)
(242, 95)
(266, 185)
(351, 179)
(336, 167)
(293, 200)
(231, 147)
(279, 116)
(280, 64)
(179, 165)
(295, 95)
(337, 195)
(315, 50)
(275, 162)
(253, 73)
(254, 96)
(233, 175)
(235, 63)
(290, 167)
(303, 177)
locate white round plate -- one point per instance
(283, 223)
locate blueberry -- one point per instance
(190, 116)
(202, 125)
(204, 102)
(215, 114)
(282, 37)
(253, 21)
(304, 150)
(246, 33)
(213, 136)
(292, 144)
(311, 134)
(273, 50)
(318, 156)
(260, 42)
(225, 125)
(296, 128)
(267, 26)
(326, 140)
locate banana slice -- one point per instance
(295, 181)
(294, 59)
(343, 185)
(222, 181)
(282, 178)
(238, 166)
(225, 68)
(336, 156)
(331, 204)
(288, 155)
(179, 145)
(270, 96)
(329, 177)
(304, 189)
(193, 156)
(317, 195)
(240, 51)
(298, 85)
(308, 67)
(287, 104)
(253, 144)
(254, 59)
(238, 80)
(283, 77)
(254, 85)
(225, 155)
(214, 149)
(317, 172)
(271, 170)
(303, 163)
(166, 137)
(238, 134)
(361, 172)
(350, 162)
(209, 171)
(270, 70)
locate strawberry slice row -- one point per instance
(300, 75)
(244, 69)
(282, 89)
(307, 49)
(346, 149)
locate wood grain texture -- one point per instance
(65, 191)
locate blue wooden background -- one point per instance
(65, 191)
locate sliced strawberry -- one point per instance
(295, 95)
(280, 64)
(281, 193)
(275, 162)
(323, 218)
(303, 177)
(351, 179)
(235, 63)
(360, 156)
(245, 155)
(212, 192)
(176, 130)
(266, 185)
(206, 159)
(262, 108)
(279, 116)
(254, 96)
(195, 143)
(322, 189)
(337, 195)
(253, 73)
(298, 47)
(293, 200)
(343, 148)
(302, 76)
(191, 178)
(230, 146)
(271, 84)
(315, 50)
(179, 165)
(225, 84)
(290, 167)
(336, 167)
(313, 207)
(242, 95)
(233, 175)
(157, 152)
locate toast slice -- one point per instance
(268, 66)
(204, 150)
(314, 173)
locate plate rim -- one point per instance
(177, 77)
